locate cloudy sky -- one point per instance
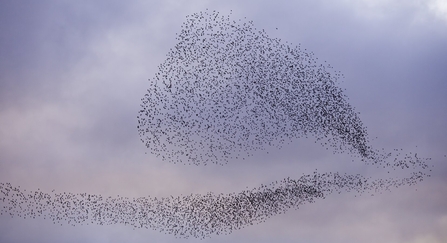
(72, 75)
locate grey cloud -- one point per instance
(394, 76)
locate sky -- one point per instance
(73, 73)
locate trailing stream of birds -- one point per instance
(225, 91)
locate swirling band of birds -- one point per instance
(224, 91)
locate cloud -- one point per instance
(72, 76)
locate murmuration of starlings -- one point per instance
(225, 91)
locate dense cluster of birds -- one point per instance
(194, 215)
(225, 91)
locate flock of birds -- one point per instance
(225, 91)
(194, 215)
